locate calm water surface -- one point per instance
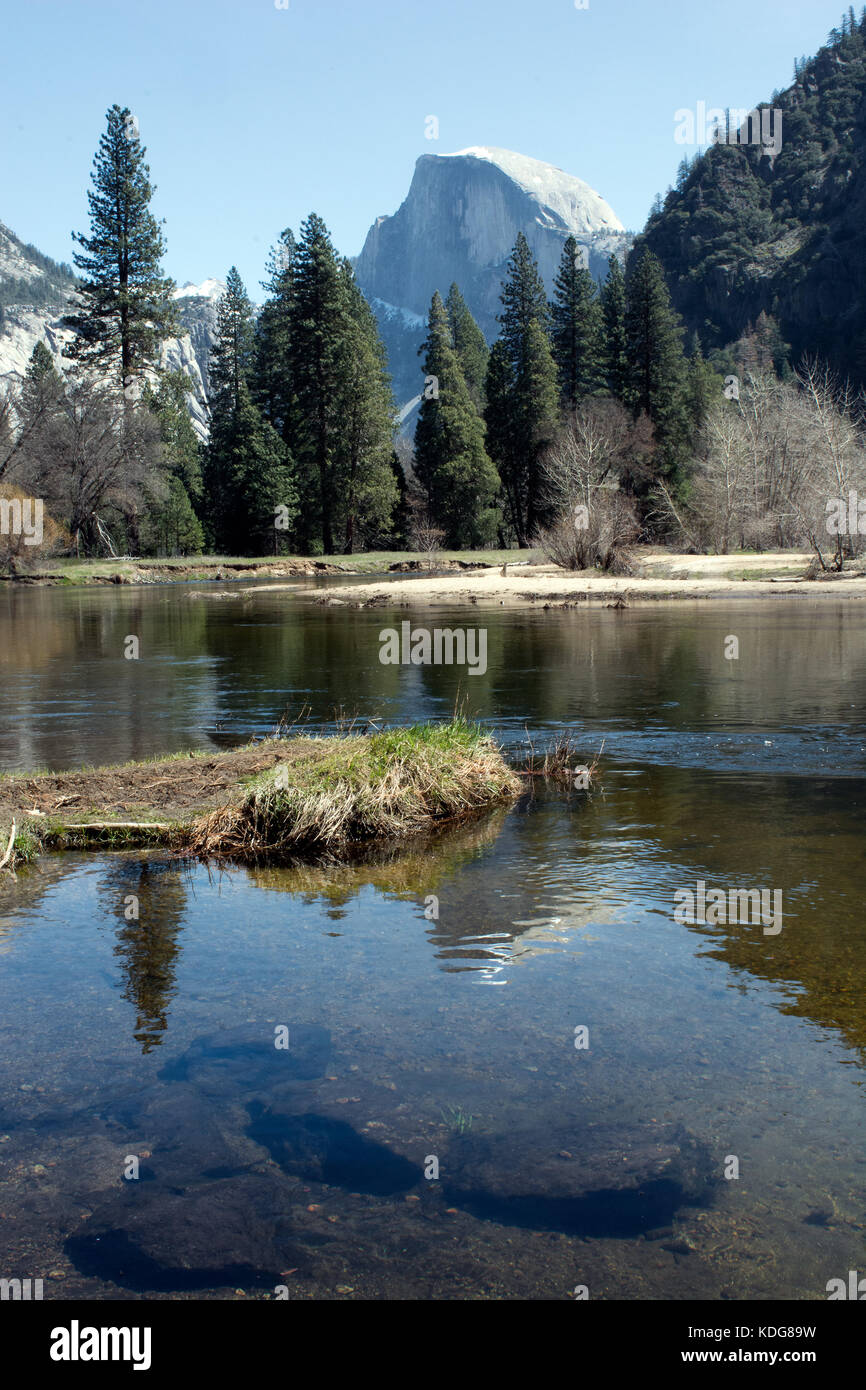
(422, 1041)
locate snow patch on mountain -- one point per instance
(208, 289)
(383, 310)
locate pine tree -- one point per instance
(469, 344)
(168, 401)
(613, 315)
(451, 461)
(273, 375)
(531, 407)
(171, 527)
(127, 307)
(366, 485)
(703, 387)
(398, 539)
(248, 473)
(24, 428)
(171, 524)
(576, 335)
(499, 391)
(232, 357)
(318, 327)
(42, 388)
(657, 367)
(523, 299)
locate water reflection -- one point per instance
(653, 681)
(148, 898)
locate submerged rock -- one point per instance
(181, 1132)
(245, 1060)
(319, 1149)
(217, 1234)
(617, 1180)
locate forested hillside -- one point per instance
(746, 231)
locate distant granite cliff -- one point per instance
(459, 223)
(35, 292)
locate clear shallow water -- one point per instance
(602, 1167)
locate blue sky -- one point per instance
(253, 116)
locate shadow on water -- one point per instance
(319, 1149)
(609, 1213)
(620, 1181)
(113, 1256)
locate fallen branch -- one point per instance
(8, 855)
(116, 825)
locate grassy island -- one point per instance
(309, 797)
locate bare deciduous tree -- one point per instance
(774, 467)
(595, 520)
(95, 459)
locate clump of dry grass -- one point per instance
(352, 791)
(560, 761)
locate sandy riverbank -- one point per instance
(660, 576)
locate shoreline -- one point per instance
(661, 578)
(504, 579)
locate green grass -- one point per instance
(69, 570)
(355, 790)
(457, 1119)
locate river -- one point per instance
(481, 1030)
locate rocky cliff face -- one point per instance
(197, 310)
(459, 223)
(35, 293)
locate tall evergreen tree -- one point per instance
(25, 427)
(171, 525)
(531, 406)
(523, 299)
(42, 389)
(451, 461)
(657, 365)
(469, 344)
(318, 327)
(501, 444)
(703, 387)
(232, 356)
(127, 308)
(366, 485)
(576, 334)
(248, 473)
(168, 401)
(273, 376)
(614, 332)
